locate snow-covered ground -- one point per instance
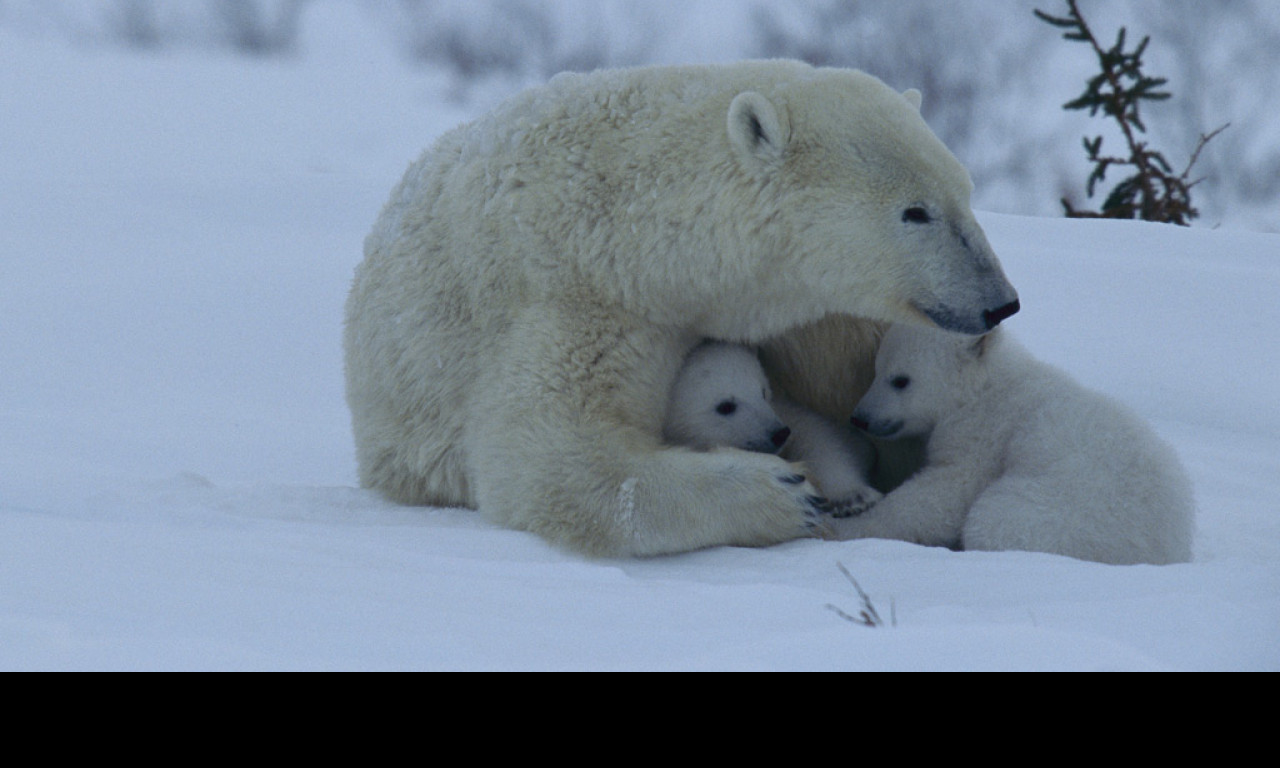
(177, 485)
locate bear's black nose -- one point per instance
(780, 437)
(992, 317)
(860, 423)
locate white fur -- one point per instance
(532, 286)
(722, 397)
(1019, 457)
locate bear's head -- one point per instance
(876, 209)
(922, 374)
(722, 398)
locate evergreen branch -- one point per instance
(1152, 192)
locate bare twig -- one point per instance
(867, 616)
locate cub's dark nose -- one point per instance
(779, 438)
(992, 317)
(860, 423)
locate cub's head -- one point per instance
(722, 398)
(876, 210)
(922, 374)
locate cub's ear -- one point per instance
(913, 98)
(756, 129)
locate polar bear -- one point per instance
(529, 291)
(1019, 457)
(722, 397)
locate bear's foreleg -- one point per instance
(930, 508)
(565, 442)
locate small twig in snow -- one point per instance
(868, 616)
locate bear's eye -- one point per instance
(900, 382)
(916, 215)
(726, 408)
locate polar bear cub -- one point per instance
(1019, 457)
(722, 397)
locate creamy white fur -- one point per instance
(532, 286)
(1019, 457)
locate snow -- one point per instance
(177, 484)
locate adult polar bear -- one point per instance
(531, 288)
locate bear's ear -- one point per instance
(756, 129)
(913, 98)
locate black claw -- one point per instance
(793, 479)
(820, 503)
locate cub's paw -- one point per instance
(856, 503)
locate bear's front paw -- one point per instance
(761, 500)
(815, 506)
(856, 503)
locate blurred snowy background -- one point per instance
(994, 77)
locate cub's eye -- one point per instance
(916, 215)
(726, 408)
(900, 382)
